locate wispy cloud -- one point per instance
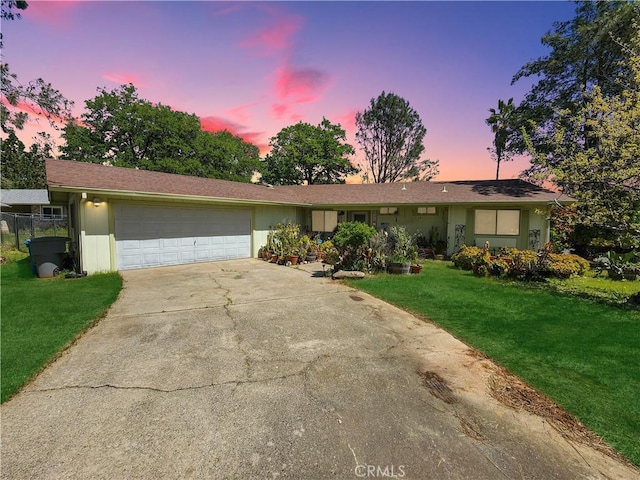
(241, 112)
(34, 111)
(52, 13)
(276, 37)
(347, 121)
(300, 85)
(294, 87)
(123, 78)
(219, 124)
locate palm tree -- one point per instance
(500, 122)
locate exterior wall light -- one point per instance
(96, 202)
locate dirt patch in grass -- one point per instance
(513, 392)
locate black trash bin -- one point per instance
(47, 254)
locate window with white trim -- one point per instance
(426, 211)
(497, 222)
(52, 211)
(388, 210)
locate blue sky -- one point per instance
(256, 67)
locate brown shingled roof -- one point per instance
(90, 176)
(471, 191)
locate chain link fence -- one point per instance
(16, 228)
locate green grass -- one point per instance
(41, 316)
(583, 354)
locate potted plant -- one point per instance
(286, 240)
(621, 266)
(403, 251)
(399, 264)
(308, 249)
(416, 268)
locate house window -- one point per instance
(388, 210)
(324, 220)
(426, 210)
(361, 217)
(56, 212)
(497, 222)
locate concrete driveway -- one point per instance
(244, 370)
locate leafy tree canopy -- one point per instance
(308, 153)
(594, 151)
(391, 134)
(23, 168)
(124, 130)
(586, 51)
(36, 98)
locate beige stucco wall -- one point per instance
(96, 255)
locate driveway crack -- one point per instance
(234, 383)
(236, 330)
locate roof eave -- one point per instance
(165, 196)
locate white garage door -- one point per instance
(152, 236)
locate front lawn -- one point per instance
(41, 316)
(585, 355)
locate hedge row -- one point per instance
(520, 264)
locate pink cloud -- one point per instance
(33, 111)
(123, 78)
(296, 86)
(300, 85)
(276, 37)
(217, 124)
(348, 121)
(52, 13)
(241, 113)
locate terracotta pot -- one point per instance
(293, 259)
(416, 268)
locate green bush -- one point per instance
(567, 265)
(330, 253)
(520, 264)
(466, 256)
(352, 236)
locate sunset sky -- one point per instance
(255, 67)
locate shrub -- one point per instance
(379, 252)
(330, 253)
(465, 257)
(520, 264)
(352, 235)
(567, 265)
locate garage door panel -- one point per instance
(149, 236)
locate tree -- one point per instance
(586, 51)
(594, 151)
(24, 168)
(501, 121)
(308, 153)
(21, 101)
(390, 133)
(124, 130)
(7, 12)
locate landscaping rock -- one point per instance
(340, 274)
